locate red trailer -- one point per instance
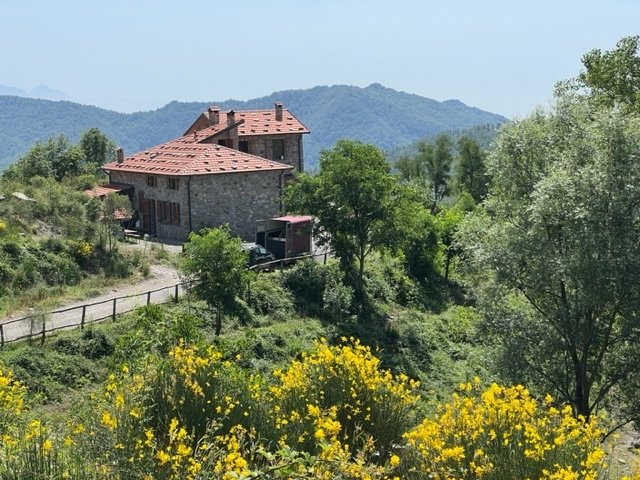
(286, 237)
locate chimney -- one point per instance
(278, 111)
(214, 115)
(231, 118)
(120, 155)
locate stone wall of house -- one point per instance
(262, 146)
(239, 199)
(159, 193)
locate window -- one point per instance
(222, 142)
(226, 143)
(277, 147)
(172, 183)
(168, 212)
(152, 181)
(243, 146)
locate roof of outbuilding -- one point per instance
(256, 122)
(184, 157)
(104, 190)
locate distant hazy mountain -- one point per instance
(373, 114)
(41, 91)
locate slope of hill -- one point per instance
(373, 114)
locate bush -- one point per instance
(305, 280)
(266, 296)
(386, 280)
(337, 298)
(370, 404)
(49, 374)
(502, 433)
(116, 265)
(155, 332)
(319, 290)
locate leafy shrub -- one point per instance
(96, 345)
(116, 265)
(156, 331)
(337, 298)
(319, 290)
(266, 296)
(48, 373)
(369, 403)
(386, 280)
(305, 280)
(506, 434)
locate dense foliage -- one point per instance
(557, 253)
(52, 235)
(215, 266)
(335, 413)
(358, 205)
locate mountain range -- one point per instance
(374, 114)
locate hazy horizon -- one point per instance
(502, 57)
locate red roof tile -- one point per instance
(184, 157)
(104, 190)
(256, 122)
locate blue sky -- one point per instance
(501, 56)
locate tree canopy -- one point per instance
(470, 172)
(359, 205)
(613, 77)
(58, 158)
(560, 241)
(215, 265)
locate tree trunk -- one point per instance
(582, 392)
(446, 265)
(218, 326)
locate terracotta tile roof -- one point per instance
(256, 122)
(200, 135)
(184, 157)
(104, 190)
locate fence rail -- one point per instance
(41, 324)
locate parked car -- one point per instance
(258, 255)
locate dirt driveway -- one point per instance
(161, 282)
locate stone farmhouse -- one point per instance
(228, 167)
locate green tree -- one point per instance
(359, 205)
(613, 78)
(107, 213)
(558, 248)
(438, 168)
(56, 158)
(470, 172)
(215, 265)
(97, 147)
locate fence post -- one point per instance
(113, 315)
(44, 329)
(148, 297)
(84, 314)
(175, 297)
(1, 335)
(325, 258)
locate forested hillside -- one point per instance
(375, 114)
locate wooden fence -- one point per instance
(41, 324)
